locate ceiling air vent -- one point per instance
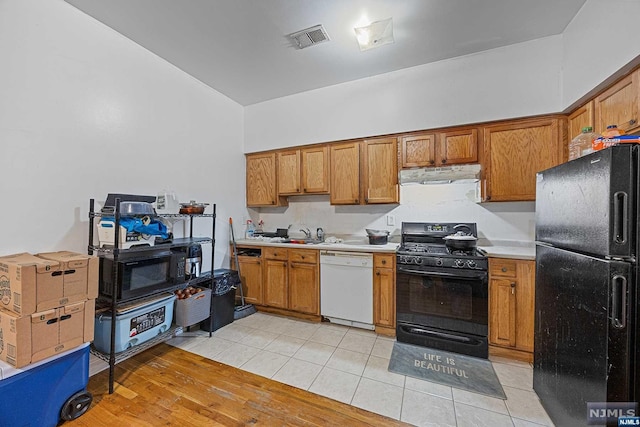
(309, 37)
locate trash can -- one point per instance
(223, 286)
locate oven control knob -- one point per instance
(459, 263)
(471, 264)
(439, 261)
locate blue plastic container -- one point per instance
(36, 395)
(134, 326)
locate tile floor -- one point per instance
(350, 365)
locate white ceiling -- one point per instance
(239, 48)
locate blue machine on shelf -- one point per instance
(47, 392)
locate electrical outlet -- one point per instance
(391, 220)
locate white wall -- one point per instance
(600, 40)
(497, 84)
(85, 111)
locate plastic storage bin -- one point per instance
(134, 326)
(190, 311)
(224, 284)
(46, 392)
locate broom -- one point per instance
(242, 310)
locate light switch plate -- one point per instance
(391, 220)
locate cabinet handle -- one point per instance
(297, 190)
(432, 162)
(444, 161)
(513, 288)
(384, 261)
(273, 202)
(284, 264)
(304, 189)
(275, 254)
(504, 269)
(366, 200)
(633, 122)
(302, 256)
(377, 273)
(356, 200)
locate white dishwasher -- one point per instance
(346, 288)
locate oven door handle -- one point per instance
(460, 274)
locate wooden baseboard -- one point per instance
(386, 330)
(289, 313)
(511, 353)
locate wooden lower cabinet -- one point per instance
(511, 307)
(384, 293)
(292, 280)
(251, 277)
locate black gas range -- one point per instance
(442, 294)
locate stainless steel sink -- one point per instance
(302, 241)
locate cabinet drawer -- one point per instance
(502, 267)
(383, 260)
(303, 255)
(275, 253)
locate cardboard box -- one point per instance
(80, 275)
(31, 338)
(29, 284)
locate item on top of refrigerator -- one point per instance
(602, 143)
(582, 144)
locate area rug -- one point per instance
(452, 369)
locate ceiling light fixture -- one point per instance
(375, 34)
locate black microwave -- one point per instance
(142, 274)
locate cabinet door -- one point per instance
(303, 287)
(289, 172)
(457, 147)
(618, 105)
(580, 118)
(261, 179)
(381, 171)
(384, 308)
(515, 152)
(418, 150)
(502, 306)
(275, 283)
(251, 277)
(345, 174)
(525, 305)
(315, 170)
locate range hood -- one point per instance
(441, 175)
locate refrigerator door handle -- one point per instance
(620, 208)
(619, 303)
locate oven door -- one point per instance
(443, 308)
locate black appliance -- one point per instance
(142, 273)
(586, 323)
(442, 295)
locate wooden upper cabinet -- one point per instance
(288, 172)
(439, 149)
(380, 171)
(456, 147)
(345, 173)
(418, 150)
(618, 105)
(580, 118)
(515, 151)
(261, 183)
(315, 170)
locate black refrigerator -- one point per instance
(586, 313)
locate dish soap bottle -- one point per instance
(250, 230)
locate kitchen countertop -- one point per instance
(509, 249)
(497, 248)
(347, 245)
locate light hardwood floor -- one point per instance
(168, 386)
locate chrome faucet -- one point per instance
(307, 233)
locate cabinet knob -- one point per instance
(297, 190)
(292, 265)
(304, 189)
(377, 273)
(504, 269)
(356, 200)
(273, 202)
(444, 161)
(513, 288)
(633, 122)
(384, 261)
(302, 256)
(432, 162)
(366, 200)
(275, 254)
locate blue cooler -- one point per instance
(46, 392)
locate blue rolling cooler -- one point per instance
(45, 393)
